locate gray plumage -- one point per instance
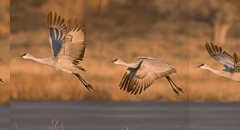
(231, 63)
(67, 44)
(143, 72)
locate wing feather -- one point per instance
(74, 44)
(143, 58)
(220, 56)
(136, 90)
(123, 79)
(133, 88)
(57, 32)
(140, 86)
(137, 80)
(236, 62)
(123, 83)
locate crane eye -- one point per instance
(115, 60)
(201, 64)
(24, 54)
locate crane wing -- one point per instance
(142, 58)
(57, 32)
(136, 80)
(220, 56)
(236, 63)
(73, 47)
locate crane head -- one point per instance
(115, 61)
(202, 66)
(25, 55)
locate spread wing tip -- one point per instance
(219, 55)
(235, 58)
(236, 62)
(74, 26)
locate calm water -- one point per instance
(4, 117)
(96, 115)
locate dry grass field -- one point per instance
(5, 52)
(4, 69)
(118, 30)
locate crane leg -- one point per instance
(173, 85)
(175, 90)
(180, 89)
(87, 85)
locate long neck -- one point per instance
(40, 60)
(217, 72)
(131, 65)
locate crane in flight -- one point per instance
(67, 44)
(143, 72)
(231, 63)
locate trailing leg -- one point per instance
(173, 85)
(180, 89)
(88, 86)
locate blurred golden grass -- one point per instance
(179, 44)
(5, 18)
(5, 51)
(33, 81)
(4, 69)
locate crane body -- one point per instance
(143, 72)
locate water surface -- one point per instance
(97, 115)
(4, 117)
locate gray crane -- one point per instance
(67, 44)
(143, 72)
(231, 63)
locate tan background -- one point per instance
(5, 51)
(172, 31)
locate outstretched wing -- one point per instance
(142, 58)
(136, 80)
(220, 56)
(236, 63)
(57, 32)
(74, 44)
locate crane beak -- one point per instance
(112, 61)
(198, 66)
(20, 56)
